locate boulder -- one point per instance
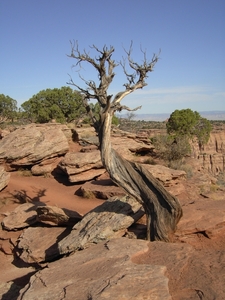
(40, 244)
(128, 147)
(87, 175)
(4, 178)
(23, 216)
(82, 166)
(102, 188)
(55, 216)
(172, 180)
(84, 133)
(167, 176)
(106, 221)
(31, 144)
(104, 271)
(45, 167)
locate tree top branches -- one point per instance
(105, 65)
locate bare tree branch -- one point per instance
(136, 80)
(105, 75)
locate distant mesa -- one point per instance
(210, 115)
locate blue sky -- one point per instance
(35, 39)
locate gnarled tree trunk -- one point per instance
(163, 210)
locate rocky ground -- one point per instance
(113, 261)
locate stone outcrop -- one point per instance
(216, 143)
(172, 180)
(214, 163)
(4, 178)
(82, 166)
(111, 266)
(129, 147)
(102, 188)
(23, 216)
(206, 217)
(40, 244)
(107, 221)
(55, 216)
(32, 144)
(104, 271)
(212, 155)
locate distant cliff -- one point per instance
(213, 154)
(210, 115)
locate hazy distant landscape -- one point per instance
(210, 115)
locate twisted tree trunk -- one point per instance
(163, 211)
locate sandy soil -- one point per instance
(47, 190)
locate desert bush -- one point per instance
(150, 161)
(181, 165)
(171, 148)
(25, 172)
(221, 179)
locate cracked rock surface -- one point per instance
(105, 272)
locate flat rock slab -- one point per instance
(86, 175)
(101, 189)
(23, 216)
(128, 147)
(55, 216)
(202, 216)
(166, 175)
(104, 271)
(106, 221)
(40, 244)
(192, 274)
(82, 166)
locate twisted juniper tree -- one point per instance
(163, 211)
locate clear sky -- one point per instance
(35, 35)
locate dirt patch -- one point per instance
(22, 189)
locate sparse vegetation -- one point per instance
(170, 148)
(181, 165)
(136, 126)
(150, 161)
(24, 172)
(221, 179)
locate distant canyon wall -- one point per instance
(212, 156)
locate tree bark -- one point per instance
(163, 211)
